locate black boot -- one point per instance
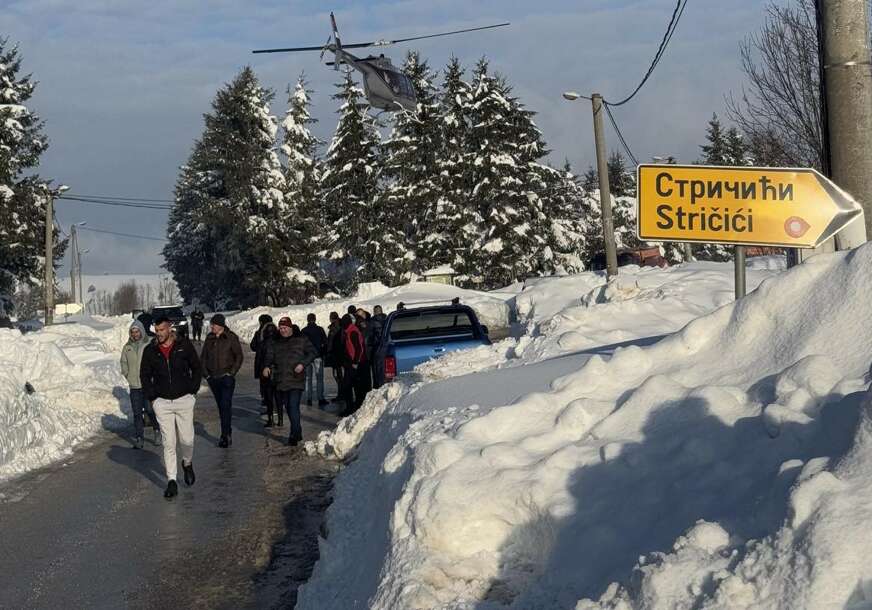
(281, 419)
(172, 490)
(223, 442)
(269, 423)
(189, 474)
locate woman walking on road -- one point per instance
(285, 363)
(131, 358)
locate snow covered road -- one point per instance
(96, 532)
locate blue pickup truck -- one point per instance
(414, 335)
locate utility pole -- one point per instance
(605, 193)
(49, 258)
(848, 85)
(74, 246)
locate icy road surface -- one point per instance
(96, 532)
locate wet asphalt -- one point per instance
(95, 531)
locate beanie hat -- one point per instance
(218, 320)
(264, 319)
(286, 321)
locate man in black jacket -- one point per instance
(315, 371)
(170, 374)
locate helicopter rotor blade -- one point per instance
(376, 43)
(289, 50)
(484, 27)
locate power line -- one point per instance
(620, 135)
(123, 204)
(141, 199)
(667, 36)
(148, 237)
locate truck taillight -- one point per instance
(390, 368)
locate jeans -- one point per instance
(173, 415)
(315, 373)
(222, 388)
(197, 331)
(290, 400)
(138, 405)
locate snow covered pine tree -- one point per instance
(22, 197)
(349, 186)
(230, 203)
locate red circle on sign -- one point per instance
(796, 227)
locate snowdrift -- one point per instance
(78, 390)
(578, 312)
(727, 466)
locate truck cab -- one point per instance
(411, 336)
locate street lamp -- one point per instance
(603, 171)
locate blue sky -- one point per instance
(123, 84)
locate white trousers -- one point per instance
(173, 415)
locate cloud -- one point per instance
(124, 84)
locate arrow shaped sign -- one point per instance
(795, 208)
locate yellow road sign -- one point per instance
(798, 208)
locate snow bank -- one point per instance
(492, 310)
(77, 386)
(727, 466)
(577, 312)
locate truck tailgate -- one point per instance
(409, 355)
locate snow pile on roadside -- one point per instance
(577, 312)
(492, 310)
(727, 466)
(77, 390)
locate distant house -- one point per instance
(443, 274)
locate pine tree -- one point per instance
(234, 186)
(453, 225)
(715, 151)
(509, 243)
(412, 188)
(302, 182)
(23, 195)
(349, 186)
(622, 182)
(590, 181)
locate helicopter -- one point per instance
(386, 86)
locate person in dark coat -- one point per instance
(269, 333)
(222, 359)
(376, 327)
(256, 346)
(354, 383)
(335, 350)
(287, 357)
(364, 374)
(197, 318)
(315, 371)
(170, 375)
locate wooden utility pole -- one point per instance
(848, 84)
(605, 192)
(49, 258)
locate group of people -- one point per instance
(165, 372)
(348, 347)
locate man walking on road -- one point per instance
(222, 359)
(170, 374)
(287, 357)
(131, 360)
(197, 318)
(315, 371)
